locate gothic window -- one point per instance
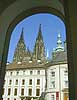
(37, 92)
(22, 92)
(38, 81)
(30, 82)
(30, 92)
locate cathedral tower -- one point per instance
(39, 49)
(21, 53)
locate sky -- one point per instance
(51, 25)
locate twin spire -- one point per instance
(39, 37)
(21, 47)
(37, 53)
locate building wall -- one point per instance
(26, 75)
(60, 79)
(57, 81)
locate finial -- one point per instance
(59, 43)
(40, 28)
(22, 33)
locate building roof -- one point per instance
(25, 65)
(61, 58)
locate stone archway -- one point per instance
(7, 15)
(14, 14)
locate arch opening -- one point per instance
(30, 80)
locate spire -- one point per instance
(20, 49)
(40, 37)
(39, 49)
(59, 43)
(21, 37)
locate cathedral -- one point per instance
(31, 76)
(23, 53)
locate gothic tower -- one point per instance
(39, 49)
(21, 53)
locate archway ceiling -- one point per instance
(4, 4)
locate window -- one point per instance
(9, 91)
(37, 92)
(53, 74)
(30, 82)
(16, 83)
(10, 82)
(23, 82)
(15, 91)
(31, 72)
(66, 73)
(66, 83)
(30, 92)
(38, 72)
(17, 72)
(22, 91)
(38, 81)
(53, 84)
(23, 71)
(52, 97)
(11, 73)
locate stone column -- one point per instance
(71, 30)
